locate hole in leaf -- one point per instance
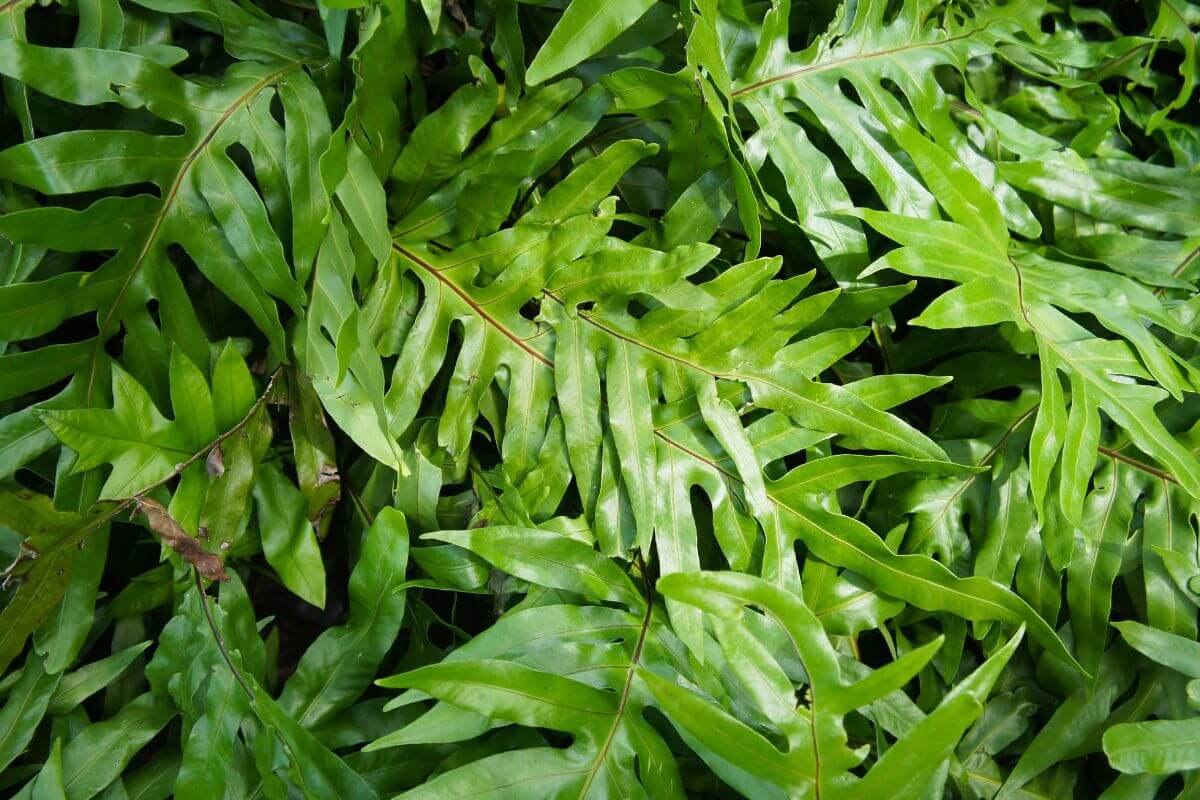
(531, 309)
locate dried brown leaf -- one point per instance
(207, 564)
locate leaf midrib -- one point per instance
(836, 63)
(602, 754)
(732, 375)
(474, 305)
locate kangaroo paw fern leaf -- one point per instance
(599, 399)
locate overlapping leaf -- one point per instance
(748, 377)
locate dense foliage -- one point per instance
(613, 398)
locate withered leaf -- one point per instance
(174, 536)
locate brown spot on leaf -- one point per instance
(215, 463)
(207, 564)
(328, 473)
